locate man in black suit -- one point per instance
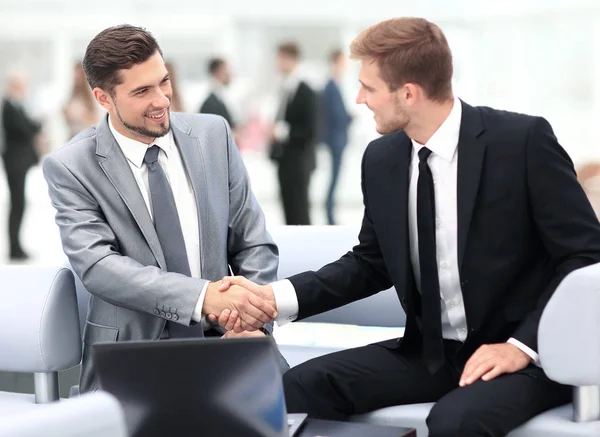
(293, 137)
(221, 78)
(19, 156)
(475, 216)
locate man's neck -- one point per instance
(429, 121)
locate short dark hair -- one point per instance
(116, 48)
(290, 49)
(214, 65)
(408, 50)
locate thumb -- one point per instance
(225, 283)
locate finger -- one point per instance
(481, 354)
(266, 312)
(243, 282)
(223, 317)
(212, 318)
(483, 368)
(238, 326)
(230, 323)
(247, 327)
(495, 372)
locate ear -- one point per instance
(411, 93)
(103, 98)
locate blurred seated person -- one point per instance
(19, 155)
(220, 79)
(81, 111)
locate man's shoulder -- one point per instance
(503, 119)
(197, 124)
(81, 145)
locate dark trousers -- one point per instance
(294, 181)
(336, 163)
(15, 176)
(359, 380)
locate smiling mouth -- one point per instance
(158, 116)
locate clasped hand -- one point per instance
(239, 304)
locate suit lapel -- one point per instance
(117, 170)
(191, 155)
(471, 153)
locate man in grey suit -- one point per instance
(152, 207)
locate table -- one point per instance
(330, 428)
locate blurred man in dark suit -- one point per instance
(19, 156)
(221, 78)
(293, 137)
(334, 124)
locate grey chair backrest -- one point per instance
(304, 248)
(39, 327)
(97, 414)
(569, 339)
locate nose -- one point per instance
(162, 100)
(360, 97)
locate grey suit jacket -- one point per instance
(110, 240)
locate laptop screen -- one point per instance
(209, 386)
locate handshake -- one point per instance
(238, 304)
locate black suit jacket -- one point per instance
(302, 116)
(19, 135)
(524, 223)
(214, 105)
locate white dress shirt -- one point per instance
(443, 163)
(185, 201)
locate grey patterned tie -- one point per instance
(168, 229)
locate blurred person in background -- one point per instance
(334, 124)
(220, 78)
(153, 207)
(81, 111)
(293, 136)
(177, 104)
(20, 132)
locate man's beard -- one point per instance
(142, 130)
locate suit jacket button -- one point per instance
(175, 317)
(163, 314)
(169, 315)
(156, 312)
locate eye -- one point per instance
(141, 92)
(166, 79)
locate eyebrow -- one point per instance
(140, 88)
(363, 84)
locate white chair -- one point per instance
(92, 415)
(39, 330)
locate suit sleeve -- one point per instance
(93, 250)
(358, 274)
(565, 220)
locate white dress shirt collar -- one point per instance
(135, 150)
(444, 141)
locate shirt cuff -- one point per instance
(286, 301)
(534, 356)
(197, 314)
(282, 131)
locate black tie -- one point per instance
(168, 229)
(433, 346)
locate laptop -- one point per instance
(204, 387)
